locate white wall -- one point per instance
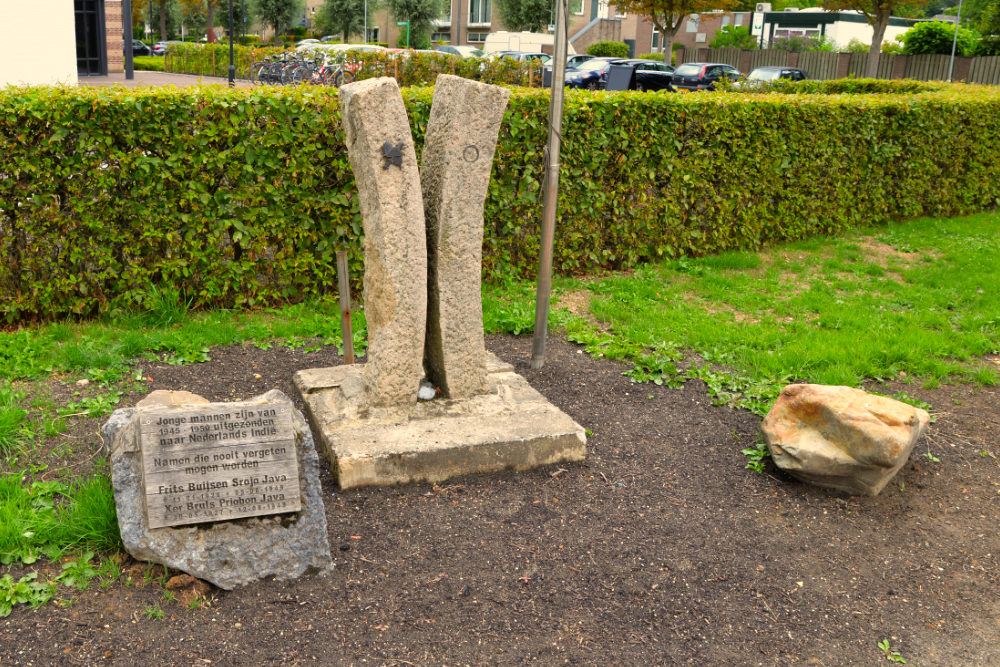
(842, 33)
(37, 42)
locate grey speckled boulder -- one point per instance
(226, 553)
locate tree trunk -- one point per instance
(210, 23)
(163, 20)
(875, 50)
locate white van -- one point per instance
(520, 41)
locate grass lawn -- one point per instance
(914, 302)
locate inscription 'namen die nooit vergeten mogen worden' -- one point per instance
(218, 462)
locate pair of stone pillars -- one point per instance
(423, 233)
(423, 262)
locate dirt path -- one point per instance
(660, 549)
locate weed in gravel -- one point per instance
(23, 591)
(93, 406)
(153, 613)
(891, 655)
(78, 572)
(14, 431)
(757, 454)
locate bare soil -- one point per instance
(660, 549)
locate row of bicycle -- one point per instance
(296, 68)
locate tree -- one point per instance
(667, 16)
(989, 26)
(877, 12)
(937, 37)
(420, 13)
(531, 15)
(344, 17)
(733, 36)
(277, 13)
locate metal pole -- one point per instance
(954, 42)
(243, 23)
(344, 287)
(365, 40)
(550, 194)
(232, 66)
(127, 38)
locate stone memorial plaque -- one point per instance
(218, 462)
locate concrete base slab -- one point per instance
(511, 427)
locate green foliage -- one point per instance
(731, 36)
(653, 56)
(757, 454)
(235, 198)
(802, 43)
(420, 13)
(276, 13)
(891, 655)
(78, 572)
(530, 15)
(148, 63)
(893, 48)
(857, 46)
(342, 17)
(24, 591)
(937, 37)
(44, 518)
(419, 39)
(608, 49)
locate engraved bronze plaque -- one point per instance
(217, 462)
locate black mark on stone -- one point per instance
(392, 154)
(470, 154)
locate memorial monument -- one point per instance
(227, 492)
(422, 287)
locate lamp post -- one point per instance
(365, 36)
(232, 66)
(127, 38)
(954, 42)
(550, 190)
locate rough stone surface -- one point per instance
(510, 427)
(395, 281)
(841, 438)
(227, 553)
(455, 170)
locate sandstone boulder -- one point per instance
(841, 438)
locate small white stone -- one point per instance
(82, 383)
(426, 391)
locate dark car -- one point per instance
(591, 74)
(702, 76)
(761, 75)
(526, 56)
(573, 61)
(640, 75)
(139, 48)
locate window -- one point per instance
(725, 21)
(576, 7)
(477, 36)
(656, 40)
(692, 24)
(479, 11)
(440, 37)
(738, 20)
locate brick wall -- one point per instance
(113, 35)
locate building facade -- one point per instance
(28, 60)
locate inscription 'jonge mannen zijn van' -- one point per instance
(216, 463)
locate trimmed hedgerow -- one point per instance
(409, 68)
(242, 197)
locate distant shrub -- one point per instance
(608, 49)
(857, 46)
(731, 36)
(652, 56)
(802, 43)
(937, 37)
(148, 63)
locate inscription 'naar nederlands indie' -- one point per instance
(218, 462)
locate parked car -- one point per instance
(303, 42)
(591, 74)
(759, 75)
(576, 59)
(525, 56)
(702, 76)
(139, 48)
(463, 51)
(160, 48)
(640, 75)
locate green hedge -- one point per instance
(238, 197)
(409, 68)
(148, 63)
